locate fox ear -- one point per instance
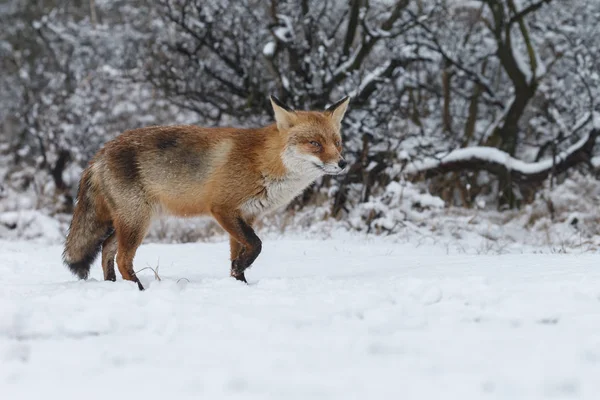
(337, 110)
(284, 116)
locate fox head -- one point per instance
(313, 140)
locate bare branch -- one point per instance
(519, 16)
(355, 6)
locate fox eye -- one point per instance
(337, 143)
(316, 144)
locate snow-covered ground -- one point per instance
(341, 318)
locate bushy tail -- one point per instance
(87, 231)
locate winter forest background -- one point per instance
(468, 119)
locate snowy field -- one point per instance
(345, 318)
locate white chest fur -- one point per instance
(277, 193)
(280, 191)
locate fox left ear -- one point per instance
(337, 110)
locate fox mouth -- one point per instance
(328, 172)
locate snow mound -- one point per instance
(400, 203)
(30, 225)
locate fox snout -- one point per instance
(335, 168)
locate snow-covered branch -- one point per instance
(499, 162)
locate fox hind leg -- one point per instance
(129, 238)
(109, 249)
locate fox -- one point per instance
(234, 175)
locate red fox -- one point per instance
(234, 175)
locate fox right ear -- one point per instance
(284, 116)
(337, 110)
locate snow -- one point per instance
(269, 49)
(596, 120)
(343, 68)
(466, 4)
(285, 32)
(523, 65)
(30, 224)
(493, 154)
(343, 318)
(370, 77)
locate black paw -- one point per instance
(239, 276)
(237, 270)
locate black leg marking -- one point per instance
(237, 272)
(254, 247)
(248, 254)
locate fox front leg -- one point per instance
(237, 250)
(245, 244)
(252, 247)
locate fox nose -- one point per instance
(342, 164)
